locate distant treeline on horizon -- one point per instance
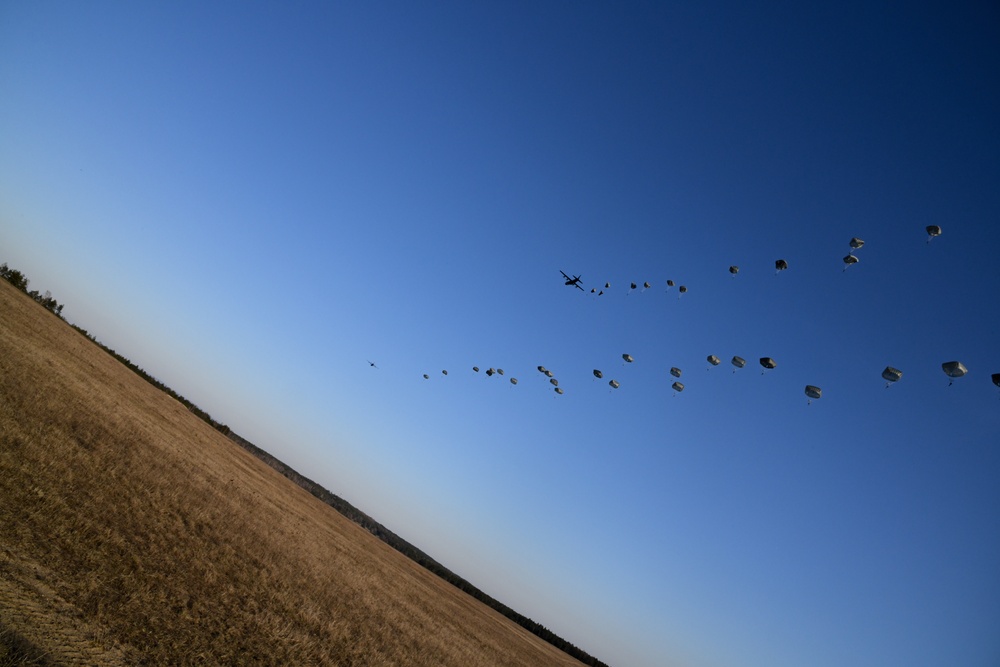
(20, 281)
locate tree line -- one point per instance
(415, 554)
(20, 281)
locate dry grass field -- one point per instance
(133, 533)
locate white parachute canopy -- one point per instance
(891, 375)
(954, 369)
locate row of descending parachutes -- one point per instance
(953, 369)
(767, 363)
(779, 266)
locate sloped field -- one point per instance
(133, 533)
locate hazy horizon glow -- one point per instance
(250, 202)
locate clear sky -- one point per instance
(253, 200)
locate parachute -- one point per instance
(559, 391)
(676, 372)
(614, 384)
(475, 368)
(607, 285)
(848, 260)
(734, 269)
(548, 373)
(541, 369)
(444, 372)
(813, 391)
(499, 371)
(645, 286)
(490, 372)
(768, 363)
(932, 231)
(891, 375)
(598, 374)
(426, 376)
(678, 387)
(738, 362)
(714, 360)
(670, 283)
(856, 243)
(780, 265)
(683, 289)
(954, 369)
(996, 379)
(628, 358)
(513, 380)
(554, 382)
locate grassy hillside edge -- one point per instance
(314, 489)
(415, 554)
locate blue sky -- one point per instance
(250, 200)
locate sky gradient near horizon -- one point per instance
(253, 200)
